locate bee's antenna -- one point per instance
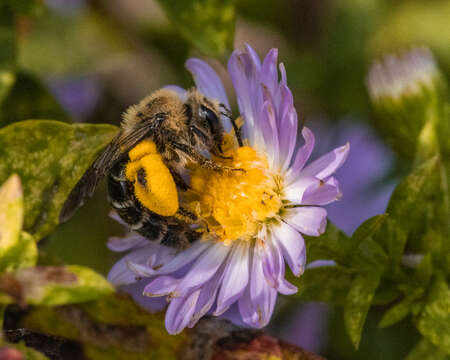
(237, 130)
(227, 112)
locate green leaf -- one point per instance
(424, 271)
(397, 312)
(207, 24)
(358, 302)
(50, 157)
(7, 51)
(332, 245)
(434, 321)
(23, 254)
(55, 285)
(26, 7)
(30, 99)
(369, 255)
(360, 250)
(329, 284)
(11, 215)
(406, 209)
(17, 248)
(424, 350)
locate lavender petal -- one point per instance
(309, 220)
(207, 80)
(323, 194)
(180, 312)
(327, 164)
(292, 247)
(235, 278)
(203, 269)
(302, 155)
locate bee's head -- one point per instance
(204, 121)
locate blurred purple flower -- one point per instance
(78, 96)
(66, 7)
(364, 175)
(241, 259)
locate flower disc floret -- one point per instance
(236, 204)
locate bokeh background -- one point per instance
(88, 60)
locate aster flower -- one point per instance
(253, 221)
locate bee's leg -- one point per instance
(180, 236)
(224, 157)
(201, 160)
(179, 181)
(152, 226)
(237, 132)
(186, 216)
(194, 130)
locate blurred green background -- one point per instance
(87, 61)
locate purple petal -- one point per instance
(180, 312)
(207, 296)
(267, 123)
(295, 190)
(308, 220)
(287, 137)
(182, 93)
(235, 278)
(113, 215)
(269, 71)
(262, 295)
(185, 257)
(149, 304)
(119, 244)
(207, 80)
(248, 312)
(140, 270)
(271, 262)
(245, 77)
(292, 247)
(324, 193)
(284, 286)
(253, 57)
(302, 155)
(320, 263)
(283, 80)
(327, 164)
(120, 274)
(204, 268)
(161, 286)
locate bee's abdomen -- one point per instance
(140, 219)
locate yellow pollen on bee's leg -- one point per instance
(153, 183)
(145, 147)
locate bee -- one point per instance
(146, 160)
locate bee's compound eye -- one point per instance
(211, 118)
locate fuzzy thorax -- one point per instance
(153, 183)
(234, 205)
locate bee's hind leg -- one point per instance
(179, 181)
(186, 216)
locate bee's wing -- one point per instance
(85, 187)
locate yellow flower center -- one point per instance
(235, 204)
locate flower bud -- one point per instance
(407, 93)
